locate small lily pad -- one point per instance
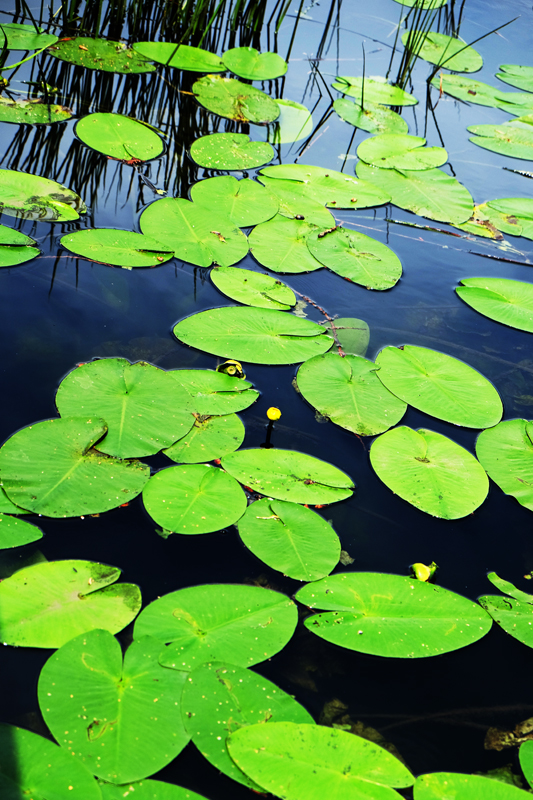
(235, 100)
(15, 247)
(373, 117)
(119, 248)
(209, 438)
(119, 137)
(230, 151)
(253, 288)
(352, 333)
(248, 63)
(376, 90)
(180, 56)
(101, 54)
(245, 202)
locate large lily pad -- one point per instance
(290, 538)
(295, 204)
(17, 532)
(430, 471)
(253, 288)
(49, 603)
(440, 385)
(514, 138)
(400, 151)
(280, 244)
(245, 202)
(15, 247)
(376, 90)
(235, 100)
(101, 710)
(119, 137)
(348, 391)
(195, 234)
(209, 438)
(230, 151)
(293, 124)
(248, 63)
(31, 112)
(441, 785)
(289, 475)
(516, 75)
(119, 248)
(506, 452)
(246, 624)
(260, 336)
(506, 301)
(373, 117)
(392, 615)
(148, 790)
(101, 54)
(214, 392)
(32, 197)
(24, 37)
(442, 50)
(51, 468)
(180, 56)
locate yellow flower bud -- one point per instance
(273, 413)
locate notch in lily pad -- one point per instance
(250, 64)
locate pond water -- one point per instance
(59, 310)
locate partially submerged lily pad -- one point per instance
(506, 452)
(293, 124)
(244, 201)
(209, 438)
(230, 151)
(180, 56)
(503, 300)
(248, 63)
(376, 90)
(352, 333)
(253, 288)
(373, 117)
(442, 50)
(101, 54)
(31, 197)
(401, 152)
(119, 137)
(31, 112)
(235, 100)
(119, 248)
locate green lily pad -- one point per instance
(430, 471)
(440, 785)
(280, 244)
(256, 335)
(31, 112)
(101, 54)
(401, 152)
(353, 335)
(525, 755)
(193, 499)
(518, 215)
(483, 94)
(245, 202)
(373, 117)
(7, 507)
(441, 50)
(392, 615)
(209, 438)
(148, 790)
(24, 37)
(233, 99)
(439, 385)
(515, 617)
(230, 151)
(119, 248)
(246, 624)
(17, 532)
(15, 247)
(49, 603)
(430, 193)
(182, 56)
(51, 468)
(295, 204)
(422, 3)
(506, 452)
(290, 538)
(289, 475)
(248, 63)
(356, 257)
(509, 588)
(195, 234)
(214, 392)
(488, 222)
(348, 392)
(514, 138)
(119, 137)
(293, 124)
(219, 698)
(101, 710)
(376, 90)
(503, 300)
(31, 197)
(518, 76)
(145, 408)
(253, 288)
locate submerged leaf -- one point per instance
(31, 197)
(401, 152)
(235, 100)
(503, 300)
(506, 452)
(442, 50)
(230, 151)
(353, 335)
(118, 248)
(101, 54)
(253, 288)
(248, 63)
(180, 56)
(244, 201)
(371, 117)
(119, 137)
(293, 124)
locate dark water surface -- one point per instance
(59, 310)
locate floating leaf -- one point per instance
(442, 50)
(32, 197)
(230, 151)
(220, 698)
(195, 234)
(31, 112)
(118, 248)
(180, 56)
(487, 221)
(515, 617)
(24, 37)
(253, 288)
(246, 624)
(214, 392)
(245, 202)
(430, 471)
(15, 247)
(392, 615)
(17, 532)
(293, 124)
(209, 438)
(348, 392)
(353, 335)
(51, 468)
(148, 790)
(376, 90)
(193, 499)
(441, 785)
(294, 204)
(508, 588)
(102, 711)
(248, 63)
(401, 152)
(7, 507)
(506, 452)
(525, 755)
(281, 245)
(514, 138)
(422, 3)
(356, 257)
(49, 603)
(235, 100)
(518, 214)
(371, 117)
(430, 193)
(506, 301)
(119, 137)
(483, 94)
(516, 75)
(440, 385)
(289, 475)
(101, 54)
(291, 539)
(260, 336)
(315, 761)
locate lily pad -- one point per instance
(483, 94)
(294, 204)
(487, 221)
(518, 215)
(32, 197)
(259, 336)
(348, 392)
(17, 532)
(148, 790)
(49, 603)
(233, 99)
(101, 54)
(353, 335)
(280, 244)
(15, 247)
(525, 755)
(24, 37)
(441, 50)
(248, 63)
(373, 117)
(180, 56)
(253, 288)
(145, 408)
(518, 76)
(439, 785)
(430, 471)
(119, 248)
(514, 138)
(119, 137)
(7, 507)
(515, 617)
(209, 438)
(440, 385)
(51, 468)
(422, 3)
(293, 124)
(245, 202)
(101, 710)
(214, 392)
(506, 452)
(430, 193)
(401, 152)
(356, 257)
(193, 499)
(219, 698)
(246, 624)
(230, 151)
(392, 615)
(195, 234)
(376, 90)
(289, 475)
(503, 300)
(290, 538)
(31, 112)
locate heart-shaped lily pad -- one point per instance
(248, 63)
